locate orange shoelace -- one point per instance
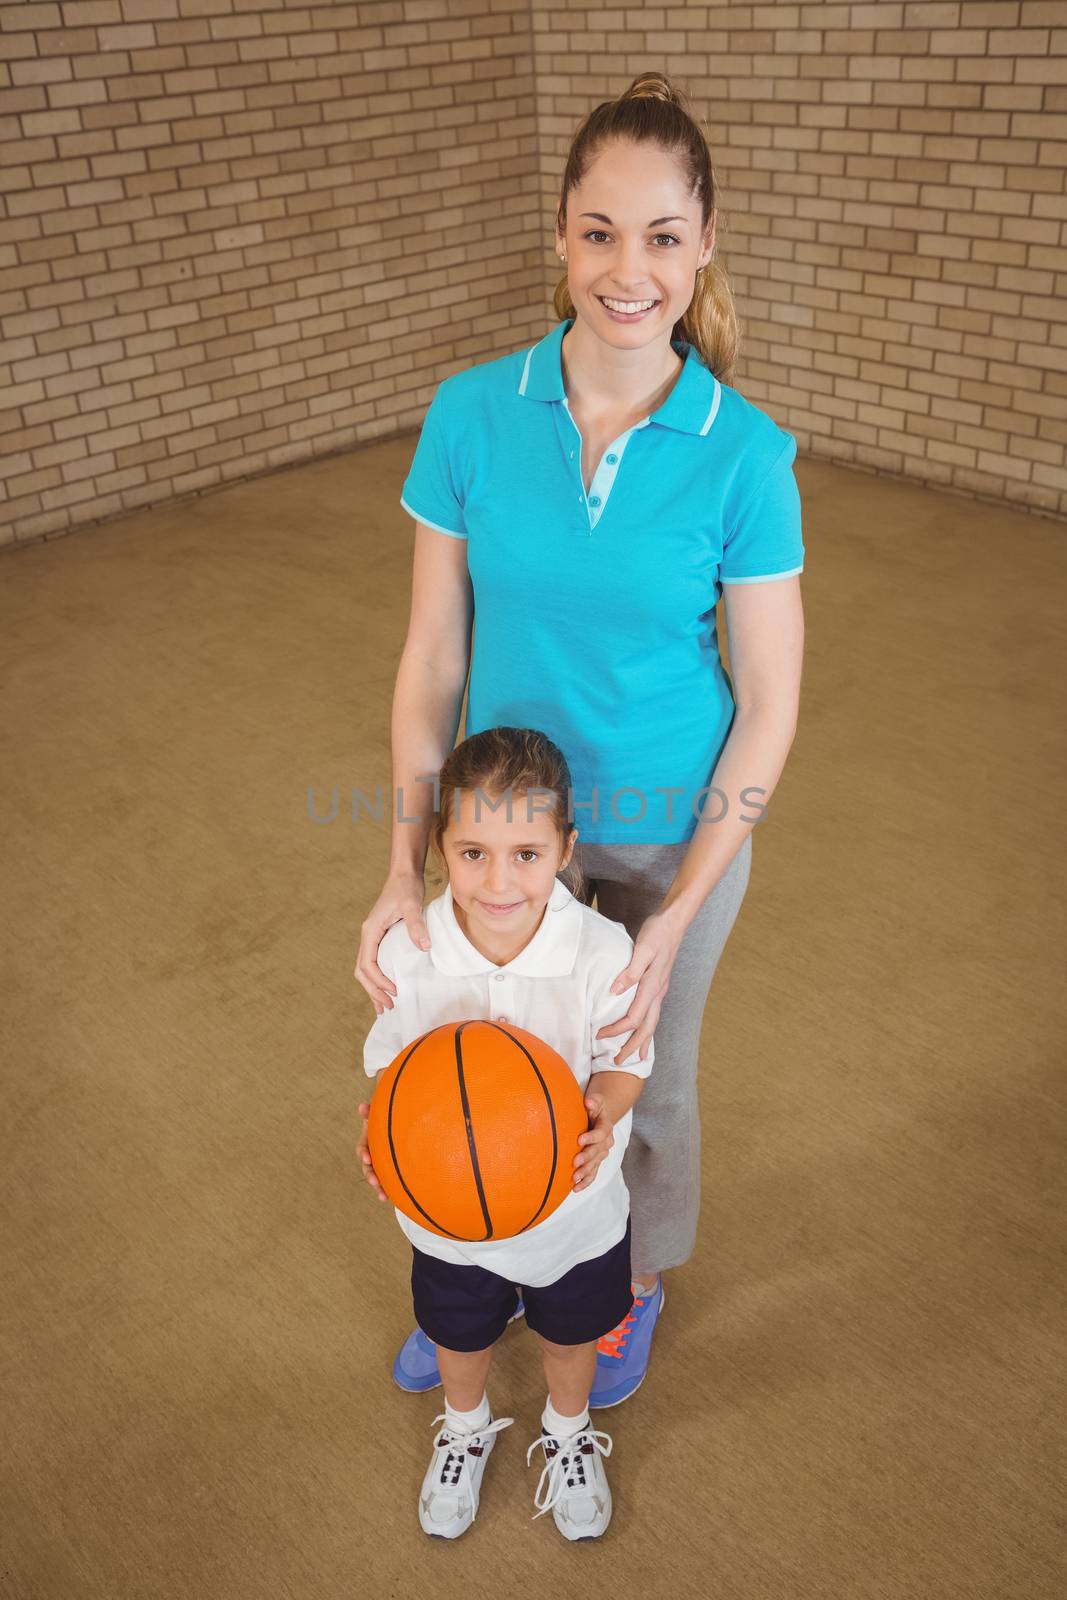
(613, 1343)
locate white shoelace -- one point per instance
(564, 1473)
(453, 1474)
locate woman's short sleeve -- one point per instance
(431, 492)
(764, 538)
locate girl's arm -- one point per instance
(611, 1091)
(364, 1151)
(386, 1038)
(608, 1096)
(619, 1091)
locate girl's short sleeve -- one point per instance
(431, 491)
(764, 539)
(386, 1038)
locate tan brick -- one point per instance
(262, 238)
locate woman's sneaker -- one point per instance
(622, 1355)
(573, 1484)
(448, 1499)
(415, 1367)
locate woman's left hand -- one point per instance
(595, 1144)
(655, 948)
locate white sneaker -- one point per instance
(448, 1499)
(575, 1485)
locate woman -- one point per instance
(585, 502)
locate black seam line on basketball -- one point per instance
(471, 1145)
(392, 1147)
(551, 1122)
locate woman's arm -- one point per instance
(765, 630)
(430, 680)
(427, 702)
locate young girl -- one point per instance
(510, 943)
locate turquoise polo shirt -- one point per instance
(594, 613)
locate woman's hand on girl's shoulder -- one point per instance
(655, 948)
(399, 901)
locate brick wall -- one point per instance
(239, 234)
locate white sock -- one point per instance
(561, 1427)
(469, 1421)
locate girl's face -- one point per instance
(506, 858)
(643, 243)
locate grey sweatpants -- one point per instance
(661, 1164)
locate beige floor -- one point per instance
(853, 1390)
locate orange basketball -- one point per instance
(473, 1130)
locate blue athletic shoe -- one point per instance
(415, 1367)
(622, 1354)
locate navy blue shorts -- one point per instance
(467, 1308)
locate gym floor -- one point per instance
(852, 1387)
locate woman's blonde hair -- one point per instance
(513, 762)
(654, 111)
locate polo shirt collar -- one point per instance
(551, 953)
(690, 407)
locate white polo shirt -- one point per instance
(559, 988)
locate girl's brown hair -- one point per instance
(509, 761)
(654, 111)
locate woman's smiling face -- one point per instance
(632, 235)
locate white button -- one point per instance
(501, 1019)
(499, 976)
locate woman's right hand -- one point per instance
(399, 901)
